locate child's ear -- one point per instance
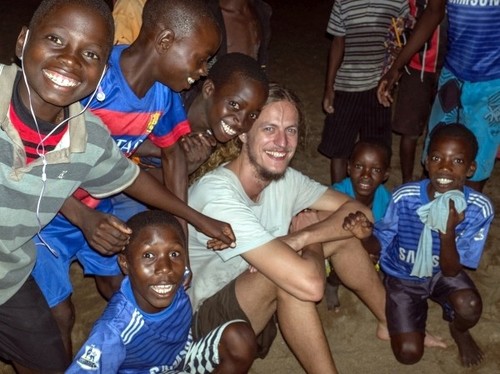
(122, 262)
(21, 40)
(208, 88)
(387, 174)
(164, 40)
(472, 169)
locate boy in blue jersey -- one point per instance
(469, 83)
(136, 99)
(146, 327)
(432, 231)
(368, 168)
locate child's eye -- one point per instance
(234, 105)
(358, 166)
(434, 158)
(175, 254)
(147, 255)
(253, 116)
(377, 170)
(54, 39)
(459, 161)
(91, 55)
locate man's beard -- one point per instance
(264, 174)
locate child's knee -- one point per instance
(408, 348)
(467, 304)
(239, 342)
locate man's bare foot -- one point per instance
(432, 341)
(382, 332)
(469, 351)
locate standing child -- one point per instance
(146, 326)
(432, 231)
(50, 147)
(355, 64)
(368, 168)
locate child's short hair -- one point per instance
(181, 16)
(455, 130)
(154, 218)
(46, 7)
(239, 64)
(376, 143)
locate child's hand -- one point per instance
(221, 233)
(105, 233)
(198, 147)
(454, 218)
(358, 224)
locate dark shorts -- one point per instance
(29, 334)
(356, 113)
(406, 302)
(223, 307)
(414, 102)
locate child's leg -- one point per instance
(230, 348)
(462, 307)
(468, 306)
(406, 311)
(237, 349)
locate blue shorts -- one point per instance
(53, 273)
(406, 301)
(477, 106)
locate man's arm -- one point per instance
(424, 28)
(334, 207)
(335, 59)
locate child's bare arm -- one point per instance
(449, 259)
(362, 228)
(104, 232)
(149, 191)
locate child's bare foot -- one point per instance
(469, 351)
(431, 341)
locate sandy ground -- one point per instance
(298, 60)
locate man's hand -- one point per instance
(105, 233)
(295, 239)
(358, 224)
(386, 87)
(198, 147)
(221, 233)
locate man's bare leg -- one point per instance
(259, 298)
(357, 272)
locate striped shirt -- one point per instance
(399, 231)
(86, 156)
(364, 24)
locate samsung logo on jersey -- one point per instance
(475, 2)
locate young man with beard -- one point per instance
(271, 271)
